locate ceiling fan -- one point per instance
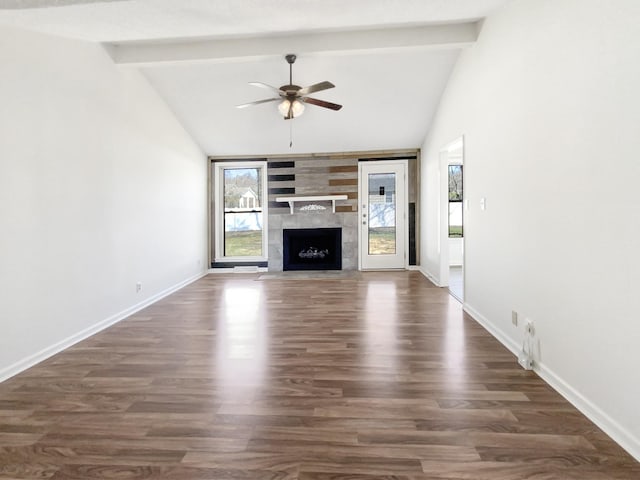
(293, 97)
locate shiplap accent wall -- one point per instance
(326, 175)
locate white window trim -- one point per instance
(218, 192)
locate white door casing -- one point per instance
(383, 227)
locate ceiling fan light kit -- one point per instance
(292, 97)
(288, 108)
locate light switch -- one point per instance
(483, 203)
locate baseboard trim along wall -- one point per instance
(217, 271)
(509, 343)
(433, 279)
(47, 352)
(612, 428)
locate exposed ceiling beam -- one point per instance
(26, 4)
(433, 36)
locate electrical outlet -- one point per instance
(525, 360)
(529, 327)
(514, 318)
(138, 287)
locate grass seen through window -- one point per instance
(243, 243)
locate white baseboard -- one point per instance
(617, 432)
(236, 270)
(47, 352)
(508, 342)
(608, 425)
(430, 277)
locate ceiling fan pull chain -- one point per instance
(291, 134)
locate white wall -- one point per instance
(548, 101)
(100, 187)
(455, 251)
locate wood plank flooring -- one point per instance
(366, 376)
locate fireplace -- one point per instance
(312, 249)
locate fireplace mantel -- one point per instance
(316, 198)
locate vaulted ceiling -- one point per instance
(389, 59)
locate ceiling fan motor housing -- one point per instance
(289, 90)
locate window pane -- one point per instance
(243, 214)
(455, 200)
(455, 219)
(382, 214)
(455, 182)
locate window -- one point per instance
(240, 212)
(455, 200)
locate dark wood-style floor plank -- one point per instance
(356, 377)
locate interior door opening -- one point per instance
(456, 229)
(452, 218)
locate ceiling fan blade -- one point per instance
(317, 87)
(258, 102)
(321, 103)
(268, 87)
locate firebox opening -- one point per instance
(312, 249)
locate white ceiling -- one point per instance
(389, 86)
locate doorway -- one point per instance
(383, 236)
(452, 217)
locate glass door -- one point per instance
(382, 215)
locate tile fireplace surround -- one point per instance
(307, 176)
(347, 221)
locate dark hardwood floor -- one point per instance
(366, 376)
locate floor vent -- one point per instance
(245, 269)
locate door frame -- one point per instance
(405, 220)
(443, 211)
